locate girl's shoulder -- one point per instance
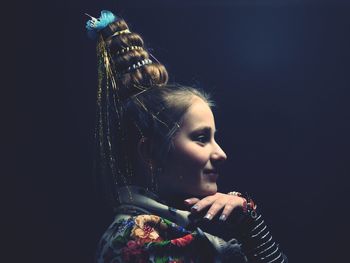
(146, 238)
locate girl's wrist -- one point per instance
(248, 205)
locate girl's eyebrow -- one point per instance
(204, 129)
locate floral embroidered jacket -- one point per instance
(145, 230)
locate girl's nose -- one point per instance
(218, 155)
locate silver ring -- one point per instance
(234, 193)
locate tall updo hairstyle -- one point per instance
(134, 102)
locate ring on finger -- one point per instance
(235, 193)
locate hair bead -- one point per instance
(127, 49)
(139, 64)
(121, 32)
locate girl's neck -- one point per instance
(175, 201)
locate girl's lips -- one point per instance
(208, 171)
(213, 176)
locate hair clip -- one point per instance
(127, 49)
(94, 25)
(139, 64)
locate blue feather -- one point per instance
(94, 25)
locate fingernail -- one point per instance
(195, 207)
(208, 216)
(222, 217)
(187, 201)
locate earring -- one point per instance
(154, 177)
(150, 165)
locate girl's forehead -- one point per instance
(198, 115)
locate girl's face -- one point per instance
(191, 169)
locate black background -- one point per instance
(279, 72)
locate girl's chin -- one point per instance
(210, 189)
(207, 189)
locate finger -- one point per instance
(228, 210)
(202, 204)
(229, 207)
(191, 201)
(214, 209)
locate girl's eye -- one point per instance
(201, 138)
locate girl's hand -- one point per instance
(215, 203)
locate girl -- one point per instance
(158, 164)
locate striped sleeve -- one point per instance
(258, 243)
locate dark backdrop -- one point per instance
(279, 71)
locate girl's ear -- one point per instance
(144, 150)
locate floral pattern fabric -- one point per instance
(145, 239)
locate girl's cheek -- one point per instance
(192, 152)
(198, 159)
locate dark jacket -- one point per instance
(146, 230)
